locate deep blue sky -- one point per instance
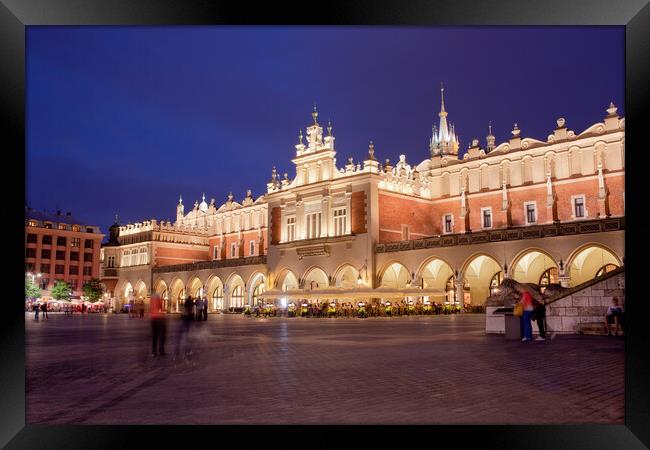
(124, 119)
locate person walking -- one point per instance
(199, 308)
(158, 326)
(205, 308)
(141, 306)
(184, 329)
(44, 310)
(539, 315)
(37, 308)
(526, 300)
(613, 316)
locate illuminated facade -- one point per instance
(446, 228)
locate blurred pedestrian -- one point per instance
(539, 315)
(44, 310)
(36, 310)
(182, 339)
(141, 308)
(158, 326)
(526, 300)
(205, 308)
(199, 308)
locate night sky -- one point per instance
(124, 119)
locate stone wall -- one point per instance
(568, 315)
(586, 306)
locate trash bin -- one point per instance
(512, 323)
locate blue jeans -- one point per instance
(527, 327)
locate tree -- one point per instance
(93, 289)
(61, 290)
(31, 290)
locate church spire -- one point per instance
(444, 140)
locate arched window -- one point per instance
(606, 268)
(143, 255)
(237, 297)
(217, 298)
(126, 258)
(496, 281)
(550, 276)
(259, 290)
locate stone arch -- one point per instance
(434, 272)
(177, 294)
(256, 287)
(587, 260)
(287, 280)
(315, 278)
(160, 288)
(215, 293)
(236, 290)
(477, 274)
(530, 264)
(346, 276)
(125, 293)
(195, 287)
(394, 275)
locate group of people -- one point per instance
(42, 307)
(195, 308)
(370, 309)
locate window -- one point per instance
(405, 233)
(75, 242)
(126, 258)
(89, 230)
(74, 256)
(448, 221)
(88, 257)
(32, 223)
(31, 238)
(74, 270)
(215, 251)
(75, 228)
(233, 250)
(111, 261)
(47, 239)
(291, 228)
(487, 217)
(313, 225)
(531, 213)
(60, 254)
(44, 282)
(30, 267)
(59, 268)
(47, 225)
(237, 297)
(340, 221)
(60, 241)
(579, 207)
(46, 254)
(252, 248)
(30, 253)
(45, 268)
(88, 243)
(550, 276)
(63, 226)
(88, 270)
(217, 298)
(143, 256)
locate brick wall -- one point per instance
(165, 256)
(397, 211)
(358, 213)
(276, 225)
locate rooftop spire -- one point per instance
(314, 114)
(442, 98)
(180, 199)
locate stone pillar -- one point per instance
(325, 226)
(460, 294)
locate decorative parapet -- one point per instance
(215, 264)
(510, 234)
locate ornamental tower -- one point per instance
(443, 140)
(315, 161)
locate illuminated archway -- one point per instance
(195, 287)
(236, 291)
(589, 261)
(346, 277)
(395, 275)
(479, 273)
(215, 294)
(177, 289)
(288, 281)
(160, 288)
(530, 265)
(316, 278)
(257, 286)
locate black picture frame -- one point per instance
(15, 15)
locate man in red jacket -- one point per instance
(158, 326)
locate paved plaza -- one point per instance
(97, 369)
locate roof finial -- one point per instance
(442, 97)
(315, 115)
(371, 151)
(116, 218)
(203, 197)
(180, 199)
(490, 127)
(329, 127)
(300, 136)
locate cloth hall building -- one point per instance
(445, 229)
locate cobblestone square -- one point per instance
(97, 369)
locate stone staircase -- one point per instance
(581, 309)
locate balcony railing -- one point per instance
(508, 234)
(215, 264)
